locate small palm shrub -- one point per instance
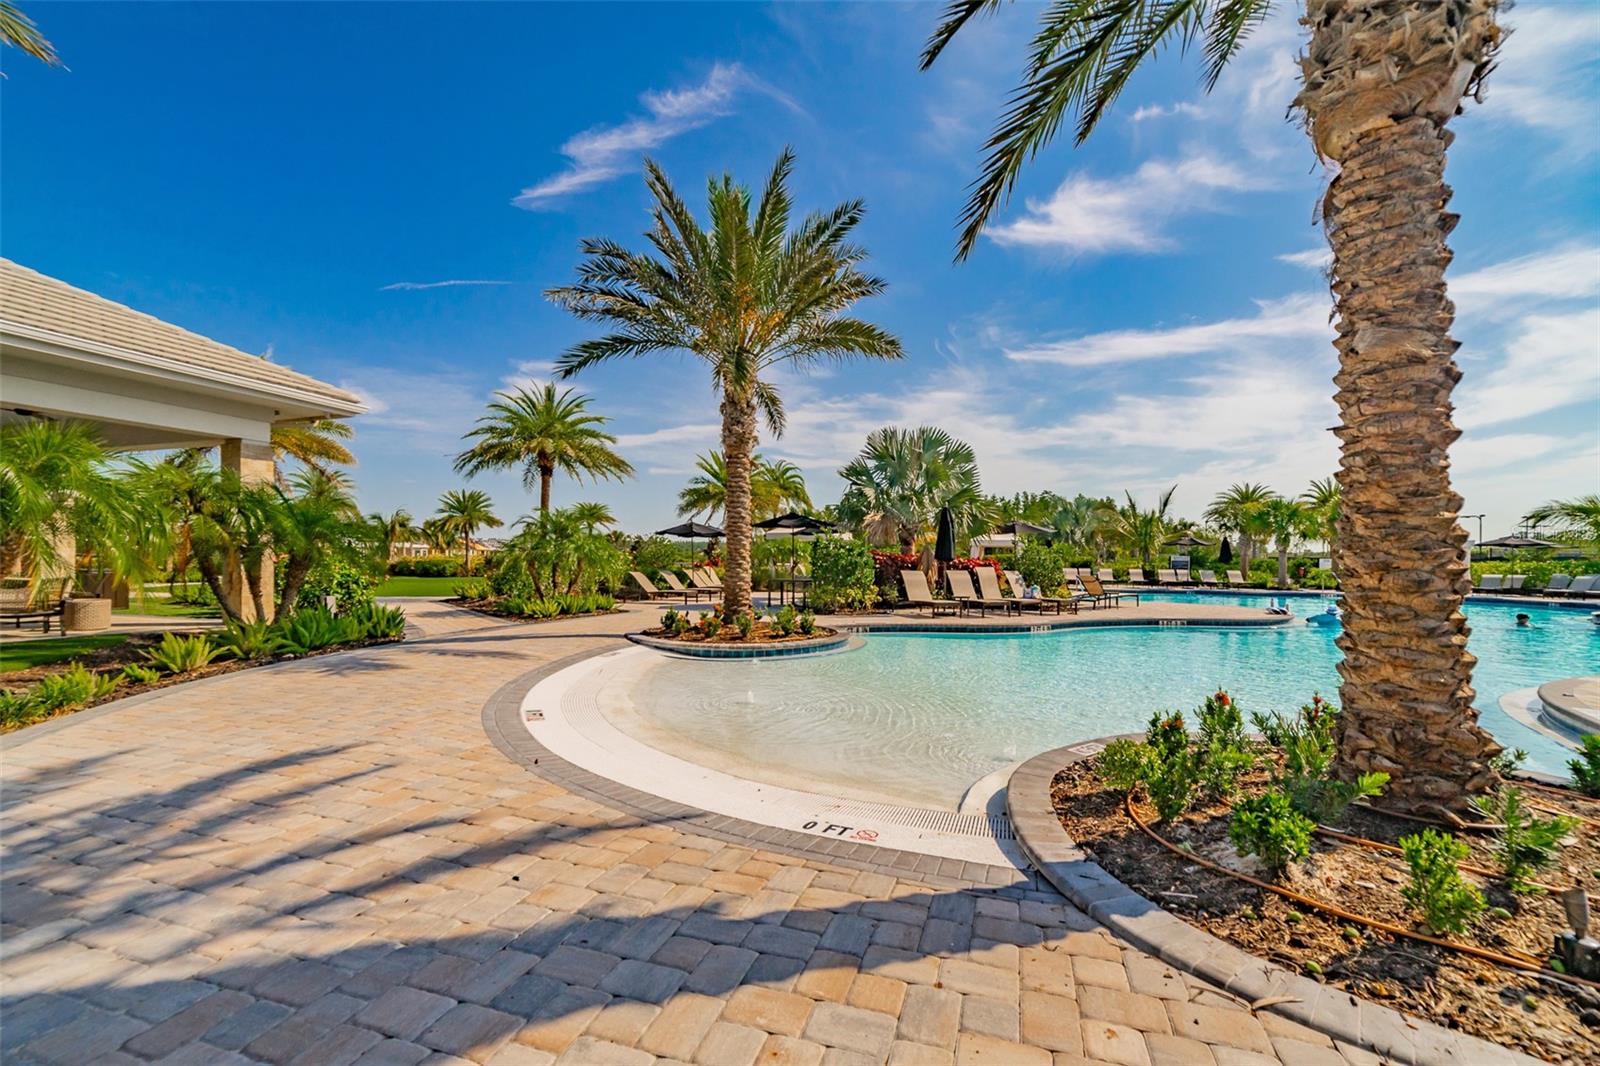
(1268, 827)
(73, 687)
(1585, 769)
(135, 674)
(1448, 904)
(181, 655)
(807, 623)
(1524, 844)
(247, 640)
(745, 623)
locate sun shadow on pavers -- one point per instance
(553, 927)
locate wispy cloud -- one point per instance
(1150, 111)
(1565, 273)
(1550, 364)
(603, 152)
(1089, 215)
(528, 374)
(1302, 318)
(1311, 258)
(1545, 75)
(417, 286)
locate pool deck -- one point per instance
(329, 861)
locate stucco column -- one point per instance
(253, 462)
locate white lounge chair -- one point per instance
(1208, 577)
(1019, 592)
(1491, 583)
(961, 587)
(1514, 582)
(918, 594)
(1136, 575)
(1235, 578)
(1557, 583)
(1167, 577)
(1585, 587)
(1105, 576)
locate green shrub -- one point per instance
(470, 590)
(1508, 762)
(681, 625)
(1173, 768)
(1585, 769)
(378, 622)
(135, 674)
(1524, 843)
(1224, 751)
(745, 623)
(1448, 904)
(427, 566)
(785, 620)
(511, 581)
(669, 620)
(311, 630)
(1269, 827)
(349, 585)
(248, 640)
(651, 555)
(710, 625)
(73, 687)
(1040, 564)
(1124, 764)
(841, 575)
(807, 623)
(181, 655)
(18, 708)
(1538, 572)
(1307, 744)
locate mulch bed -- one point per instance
(107, 661)
(1555, 1022)
(763, 633)
(486, 607)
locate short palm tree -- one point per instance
(591, 516)
(18, 30)
(784, 484)
(1323, 500)
(746, 295)
(1239, 511)
(396, 526)
(896, 486)
(1576, 519)
(1381, 78)
(466, 511)
(314, 522)
(543, 432)
(1143, 531)
(707, 491)
(438, 534)
(1287, 521)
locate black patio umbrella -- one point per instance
(1225, 555)
(1020, 528)
(944, 546)
(1515, 541)
(795, 525)
(689, 531)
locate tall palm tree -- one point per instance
(395, 526)
(1381, 78)
(1144, 531)
(1287, 521)
(1084, 524)
(439, 534)
(901, 479)
(1323, 500)
(316, 444)
(746, 295)
(1239, 511)
(18, 30)
(466, 511)
(543, 431)
(1576, 519)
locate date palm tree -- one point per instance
(1239, 511)
(774, 485)
(438, 534)
(1323, 500)
(1575, 519)
(746, 295)
(316, 444)
(396, 526)
(896, 486)
(1287, 522)
(18, 30)
(591, 516)
(1381, 79)
(1143, 531)
(466, 511)
(543, 431)
(785, 484)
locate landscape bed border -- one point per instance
(1147, 925)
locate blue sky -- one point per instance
(378, 194)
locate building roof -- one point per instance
(47, 309)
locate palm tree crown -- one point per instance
(543, 432)
(466, 511)
(1577, 518)
(746, 295)
(897, 485)
(774, 485)
(316, 443)
(18, 30)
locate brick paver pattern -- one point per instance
(328, 862)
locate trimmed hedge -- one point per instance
(426, 566)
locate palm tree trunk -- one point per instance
(546, 475)
(738, 444)
(1378, 109)
(1283, 566)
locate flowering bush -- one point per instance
(886, 567)
(973, 564)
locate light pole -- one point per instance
(1480, 518)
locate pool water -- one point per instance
(921, 717)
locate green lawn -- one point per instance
(26, 654)
(162, 607)
(418, 586)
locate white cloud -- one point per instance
(1301, 319)
(1473, 454)
(417, 286)
(1311, 258)
(603, 152)
(528, 374)
(1130, 213)
(1570, 272)
(1150, 111)
(1544, 79)
(1553, 362)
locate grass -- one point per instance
(26, 654)
(161, 607)
(418, 586)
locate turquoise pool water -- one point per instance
(920, 717)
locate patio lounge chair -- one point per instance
(1105, 576)
(1208, 577)
(961, 587)
(1585, 587)
(1167, 577)
(649, 589)
(1235, 577)
(918, 594)
(1557, 584)
(1019, 593)
(705, 579)
(1098, 592)
(1514, 582)
(40, 603)
(1136, 575)
(679, 587)
(1491, 583)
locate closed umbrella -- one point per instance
(944, 546)
(1226, 554)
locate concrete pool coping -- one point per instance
(1151, 928)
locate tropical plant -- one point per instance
(1223, 749)
(842, 574)
(177, 654)
(559, 556)
(807, 623)
(1142, 532)
(1172, 768)
(710, 625)
(18, 31)
(1381, 80)
(318, 529)
(248, 640)
(896, 486)
(75, 686)
(543, 431)
(1287, 521)
(1322, 503)
(396, 526)
(1524, 843)
(1239, 510)
(466, 511)
(1084, 525)
(315, 628)
(135, 674)
(1585, 769)
(1448, 904)
(1306, 743)
(591, 516)
(745, 623)
(785, 619)
(439, 534)
(1269, 827)
(316, 444)
(783, 483)
(1039, 563)
(378, 622)
(746, 295)
(1577, 519)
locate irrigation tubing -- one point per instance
(1505, 961)
(1390, 849)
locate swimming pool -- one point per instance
(920, 717)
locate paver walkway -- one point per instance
(328, 862)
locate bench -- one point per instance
(39, 604)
